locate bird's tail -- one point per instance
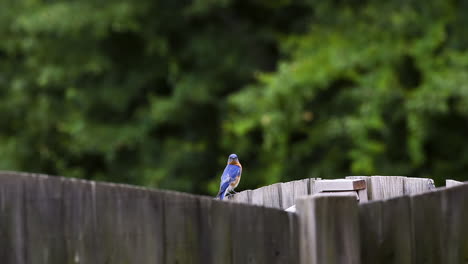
(222, 190)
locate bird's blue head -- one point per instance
(233, 159)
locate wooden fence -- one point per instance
(58, 220)
(55, 220)
(284, 195)
(429, 227)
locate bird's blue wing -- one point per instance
(230, 173)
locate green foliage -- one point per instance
(160, 92)
(372, 88)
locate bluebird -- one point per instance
(231, 176)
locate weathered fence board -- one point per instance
(329, 229)
(279, 195)
(455, 229)
(290, 191)
(272, 195)
(222, 232)
(183, 237)
(439, 225)
(417, 185)
(386, 231)
(385, 187)
(242, 197)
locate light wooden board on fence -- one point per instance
(340, 185)
(417, 185)
(329, 228)
(241, 197)
(290, 191)
(313, 186)
(384, 187)
(451, 183)
(386, 231)
(272, 195)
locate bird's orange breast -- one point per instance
(237, 163)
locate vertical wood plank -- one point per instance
(12, 219)
(386, 231)
(221, 235)
(290, 191)
(455, 229)
(272, 195)
(44, 224)
(362, 195)
(256, 196)
(329, 228)
(418, 185)
(277, 237)
(439, 224)
(427, 221)
(182, 236)
(384, 187)
(313, 187)
(248, 234)
(241, 197)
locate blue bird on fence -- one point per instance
(231, 176)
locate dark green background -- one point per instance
(159, 93)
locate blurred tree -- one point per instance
(130, 92)
(372, 88)
(160, 92)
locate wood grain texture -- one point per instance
(439, 224)
(272, 195)
(221, 221)
(329, 228)
(455, 230)
(384, 187)
(241, 197)
(257, 196)
(290, 191)
(56, 220)
(248, 232)
(386, 231)
(417, 185)
(12, 222)
(427, 219)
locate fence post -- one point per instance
(329, 229)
